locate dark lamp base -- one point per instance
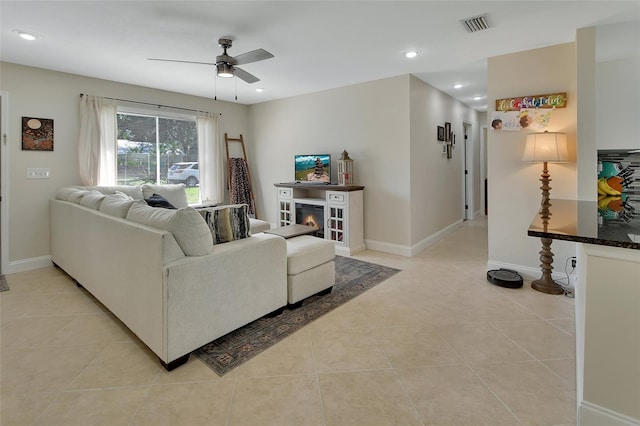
(547, 286)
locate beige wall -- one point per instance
(616, 109)
(389, 129)
(41, 93)
(607, 297)
(587, 175)
(610, 299)
(616, 88)
(514, 194)
(436, 181)
(369, 120)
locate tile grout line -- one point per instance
(394, 369)
(475, 373)
(315, 370)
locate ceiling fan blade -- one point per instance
(242, 74)
(253, 56)
(177, 60)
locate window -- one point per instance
(158, 149)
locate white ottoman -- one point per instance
(310, 267)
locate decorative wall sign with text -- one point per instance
(551, 100)
(533, 112)
(37, 134)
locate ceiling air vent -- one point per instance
(477, 23)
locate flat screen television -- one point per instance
(313, 168)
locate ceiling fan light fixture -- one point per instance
(225, 70)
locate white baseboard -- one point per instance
(346, 251)
(594, 415)
(28, 264)
(390, 248)
(527, 272)
(410, 251)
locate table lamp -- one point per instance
(546, 147)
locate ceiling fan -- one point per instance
(226, 65)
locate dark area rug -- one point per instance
(3, 283)
(353, 277)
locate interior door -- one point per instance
(468, 214)
(3, 141)
(4, 129)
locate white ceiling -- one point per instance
(317, 45)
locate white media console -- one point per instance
(337, 210)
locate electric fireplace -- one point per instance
(311, 215)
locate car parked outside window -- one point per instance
(186, 173)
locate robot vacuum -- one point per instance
(505, 278)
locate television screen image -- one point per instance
(313, 168)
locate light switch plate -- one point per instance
(38, 173)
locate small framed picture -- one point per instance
(440, 133)
(447, 131)
(37, 134)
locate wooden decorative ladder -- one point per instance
(227, 139)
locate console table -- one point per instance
(342, 208)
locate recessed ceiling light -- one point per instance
(411, 54)
(477, 98)
(457, 85)
(259, 90)
(26, 36)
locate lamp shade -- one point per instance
(546, 147)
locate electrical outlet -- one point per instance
(573, 263)
(38, 173)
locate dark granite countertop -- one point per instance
(580, 221)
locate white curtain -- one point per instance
(97, 144)
(210, 156)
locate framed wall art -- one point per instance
(440, 133)
(37, 134)
(447, 131)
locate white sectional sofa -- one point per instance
(158, 270)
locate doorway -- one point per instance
(483, 170)
(4, 130)
(467, 182)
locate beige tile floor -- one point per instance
(434, 345)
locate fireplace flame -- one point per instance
(310, 221)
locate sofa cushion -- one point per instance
(92, 199)
(174, 193)
(117, 205)
(159, 201)
(73, 194)
(123, 195)
(133, 191)
(227, 223)
(187, 226)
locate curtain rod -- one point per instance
(147, 103)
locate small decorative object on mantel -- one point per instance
(345, 169)
(37, 134)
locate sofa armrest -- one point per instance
(239, 282)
